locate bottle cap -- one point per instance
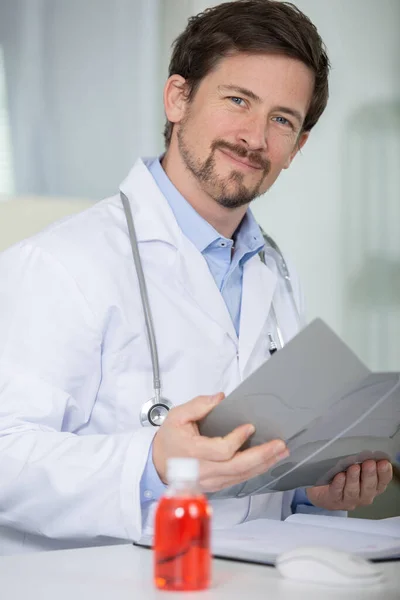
(182, 469)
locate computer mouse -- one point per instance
(313, 564)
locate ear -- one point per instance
(175, 98)
(299, 144)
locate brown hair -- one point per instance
(253, 26)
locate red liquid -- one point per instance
(182, 558)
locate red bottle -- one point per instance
(182, 556)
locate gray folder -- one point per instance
(323, 401)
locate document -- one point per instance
(264, 539)
(323, 401)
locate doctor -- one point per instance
(248, 81)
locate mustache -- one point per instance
(255, 158)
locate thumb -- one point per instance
(196, 409)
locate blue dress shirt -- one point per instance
(227, 271)
(216, 249)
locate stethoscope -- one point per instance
(154, 411)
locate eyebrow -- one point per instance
(240, 90)
(290, 111)
(245, 92)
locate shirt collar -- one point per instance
(248, 237)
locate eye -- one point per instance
(236, 100)
(283, 121)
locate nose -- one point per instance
(253, 133)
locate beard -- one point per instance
(229, 191)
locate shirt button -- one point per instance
(148, 494)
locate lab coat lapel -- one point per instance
(259, 284)
(196, 278)
(154, 220)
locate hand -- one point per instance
(222, 464)
(357, 487)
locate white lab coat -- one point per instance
(75, 367)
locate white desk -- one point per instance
(125, 573)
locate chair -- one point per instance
(21, 216)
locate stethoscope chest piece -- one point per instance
(154, 412)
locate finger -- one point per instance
(253, 461)
(336, 487)
(369, 482)
(213, 481)
(210, 483)
(351, 492)
(221, 448)
(385, 474)
(195, 409)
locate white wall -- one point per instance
(6, 170)
(363, 43)
(306, 209)
(84, 91)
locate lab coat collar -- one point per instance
(153, 217)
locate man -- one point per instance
(248, 81)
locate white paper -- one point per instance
(263, 540)
(388, 527)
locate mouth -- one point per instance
(239, 161)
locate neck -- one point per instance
(224, 220)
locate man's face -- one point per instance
(243, 125)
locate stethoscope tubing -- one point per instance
(148, 317)
(158, 401)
